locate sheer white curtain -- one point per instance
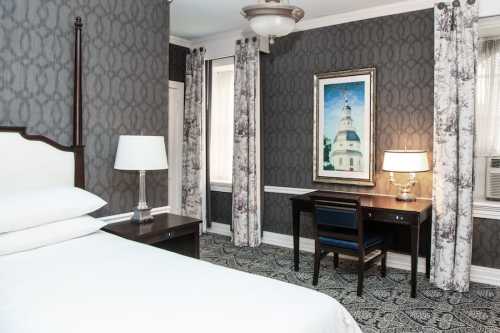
(221, 122)
(488, 99)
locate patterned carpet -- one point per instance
(385, 305)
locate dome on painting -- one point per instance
(348, 135)
(346, 153)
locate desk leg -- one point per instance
(428, 231)
(197, 243)
(415, 230)
(296, 235)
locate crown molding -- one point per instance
(368, 13)
(325, 21)
(181, 41)
(232, 35)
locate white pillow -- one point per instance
(31, 208)
(32, 238)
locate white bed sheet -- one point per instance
(102, 283)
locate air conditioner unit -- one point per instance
(493, 178)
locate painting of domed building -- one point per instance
(346, 154)
(344, 124)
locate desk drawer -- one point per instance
(390, 217)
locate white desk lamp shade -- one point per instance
(405, 161)
(138, 152)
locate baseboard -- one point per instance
(126, 216)
(485, 275)
(220, 229)
(478, 274)
(394, 260)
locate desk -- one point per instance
(375, 208)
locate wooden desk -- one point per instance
(376, 208)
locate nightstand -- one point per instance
(171, 232)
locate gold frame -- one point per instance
(337, 180)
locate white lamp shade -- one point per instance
(138, 152)
(405, 161)
(272, 25)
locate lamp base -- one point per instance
(142, 216)
(405, 196)
(142, 213)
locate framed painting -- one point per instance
(344, 126)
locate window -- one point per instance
(487, 111)
(221, 122)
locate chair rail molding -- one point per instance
(221, 187)
(485, 209)
(481, 209)
(127, 216)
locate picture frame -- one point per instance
(344, 127)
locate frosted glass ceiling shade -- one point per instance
(272, 18)
(138, 152)
(405, 161)
(272, 25)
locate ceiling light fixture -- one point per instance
(272, 18)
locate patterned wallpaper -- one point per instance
(486, 243)
(401, 47)
(125, 82)
(177, 62)
(220, 207)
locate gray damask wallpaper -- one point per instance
(401, 47)
(125, 82)
(220, 207)
(177, 62)
(486, 243)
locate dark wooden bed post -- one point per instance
(77, 108)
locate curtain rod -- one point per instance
(455, 3)
(238, 42)
(196, 50)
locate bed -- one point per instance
(102, 283)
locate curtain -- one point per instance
(488, 99)
(246, 156)
(192, 145)
(456, 41)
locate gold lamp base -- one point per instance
(405, 196)
(404, 190)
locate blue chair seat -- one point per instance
(371, 239)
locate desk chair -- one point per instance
(339, 228)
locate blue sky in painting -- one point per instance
(334, 102)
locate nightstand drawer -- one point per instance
(169, 231)
(171, 234)
(390, 217)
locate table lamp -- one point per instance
(405, 161)
(141, 153)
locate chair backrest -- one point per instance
(338, 217)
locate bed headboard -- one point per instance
(35, 161)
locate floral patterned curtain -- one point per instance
(192, 162)
(456, 42)
(246, 178)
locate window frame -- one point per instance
(216, 186)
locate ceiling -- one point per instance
(194, 19)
